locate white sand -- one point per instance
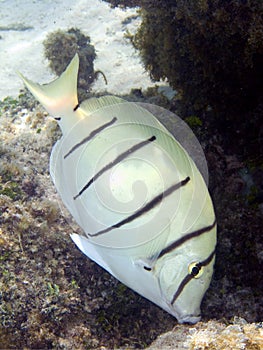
(23, 50)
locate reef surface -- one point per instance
(52, 296)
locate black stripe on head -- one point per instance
(117, 160)
(186, 238)
(189, 277)
(147, 207)
(90, 136)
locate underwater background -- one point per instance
(200, 59)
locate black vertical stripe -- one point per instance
(186, 238)
(181, 287)
(147, 207)
(76, 107)
(117, 160)
(90, 136)
(189, 277)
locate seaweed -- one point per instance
(60, 47)
(211, 52)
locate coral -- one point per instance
(206, 48)
(213, 335)
(211, 52)
(216, 336)
(60, 47)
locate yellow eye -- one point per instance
(195, 269)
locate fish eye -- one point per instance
(195, 269)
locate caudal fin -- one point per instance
(60, 96)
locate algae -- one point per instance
(53, 296)
(68, 43)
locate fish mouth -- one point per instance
(183, 316)
(192, 319)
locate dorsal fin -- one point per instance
(91, 105)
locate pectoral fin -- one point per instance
(90, 250)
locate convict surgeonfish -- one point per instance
(138, 193)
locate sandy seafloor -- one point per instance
(51, 295)
(25, 24)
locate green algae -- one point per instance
(193, 121)
(8, 102)
(12, 190)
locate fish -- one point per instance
(138, 191)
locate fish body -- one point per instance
(136, 192)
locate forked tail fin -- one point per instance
(60, 96)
